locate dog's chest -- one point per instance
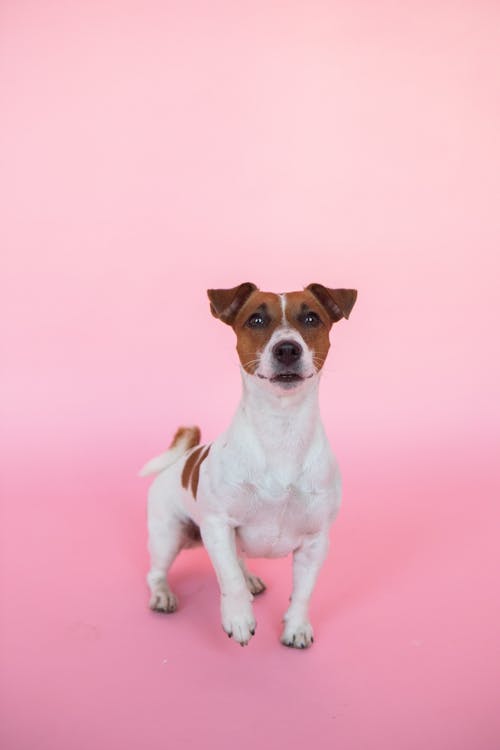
(273, 494)
(272, 521)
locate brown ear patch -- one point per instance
(225, 304)
(191, 471)
(337, 302)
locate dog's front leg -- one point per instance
(307, 561)
(236, 608)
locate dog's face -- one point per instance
(282, 339)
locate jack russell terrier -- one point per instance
(267, 486)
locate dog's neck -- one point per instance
(289, 418)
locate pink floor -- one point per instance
(406, 615)
(149, 150)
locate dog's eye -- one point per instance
(311, 319)
(257, 320)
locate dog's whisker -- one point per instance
(250, 363)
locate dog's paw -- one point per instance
(297, 635)
(237, 619)
(255, 584)
(163, 600)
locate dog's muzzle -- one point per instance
(287, 355)
(287, 352)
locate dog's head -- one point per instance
(282, 338)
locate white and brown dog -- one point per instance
(267, 486)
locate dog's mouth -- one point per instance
(287, 377)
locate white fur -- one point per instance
(283, 308)
(265, 367)
(270, 486)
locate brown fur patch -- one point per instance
(251, 341)
(191, 435)
(189, 466)
(191, 471)
(192, 534)
(196, 472)
(226, 303)
(316, 338)
(337, 302)
(236, 306)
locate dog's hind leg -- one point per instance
(169, 530)
(255, 584)
(166, 539)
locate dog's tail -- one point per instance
(184, 439)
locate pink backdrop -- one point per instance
(150, 150)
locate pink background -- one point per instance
(150, 150)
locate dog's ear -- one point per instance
(337, 302)
(225, 304)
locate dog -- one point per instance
(268, 486)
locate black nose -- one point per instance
(287, 352)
